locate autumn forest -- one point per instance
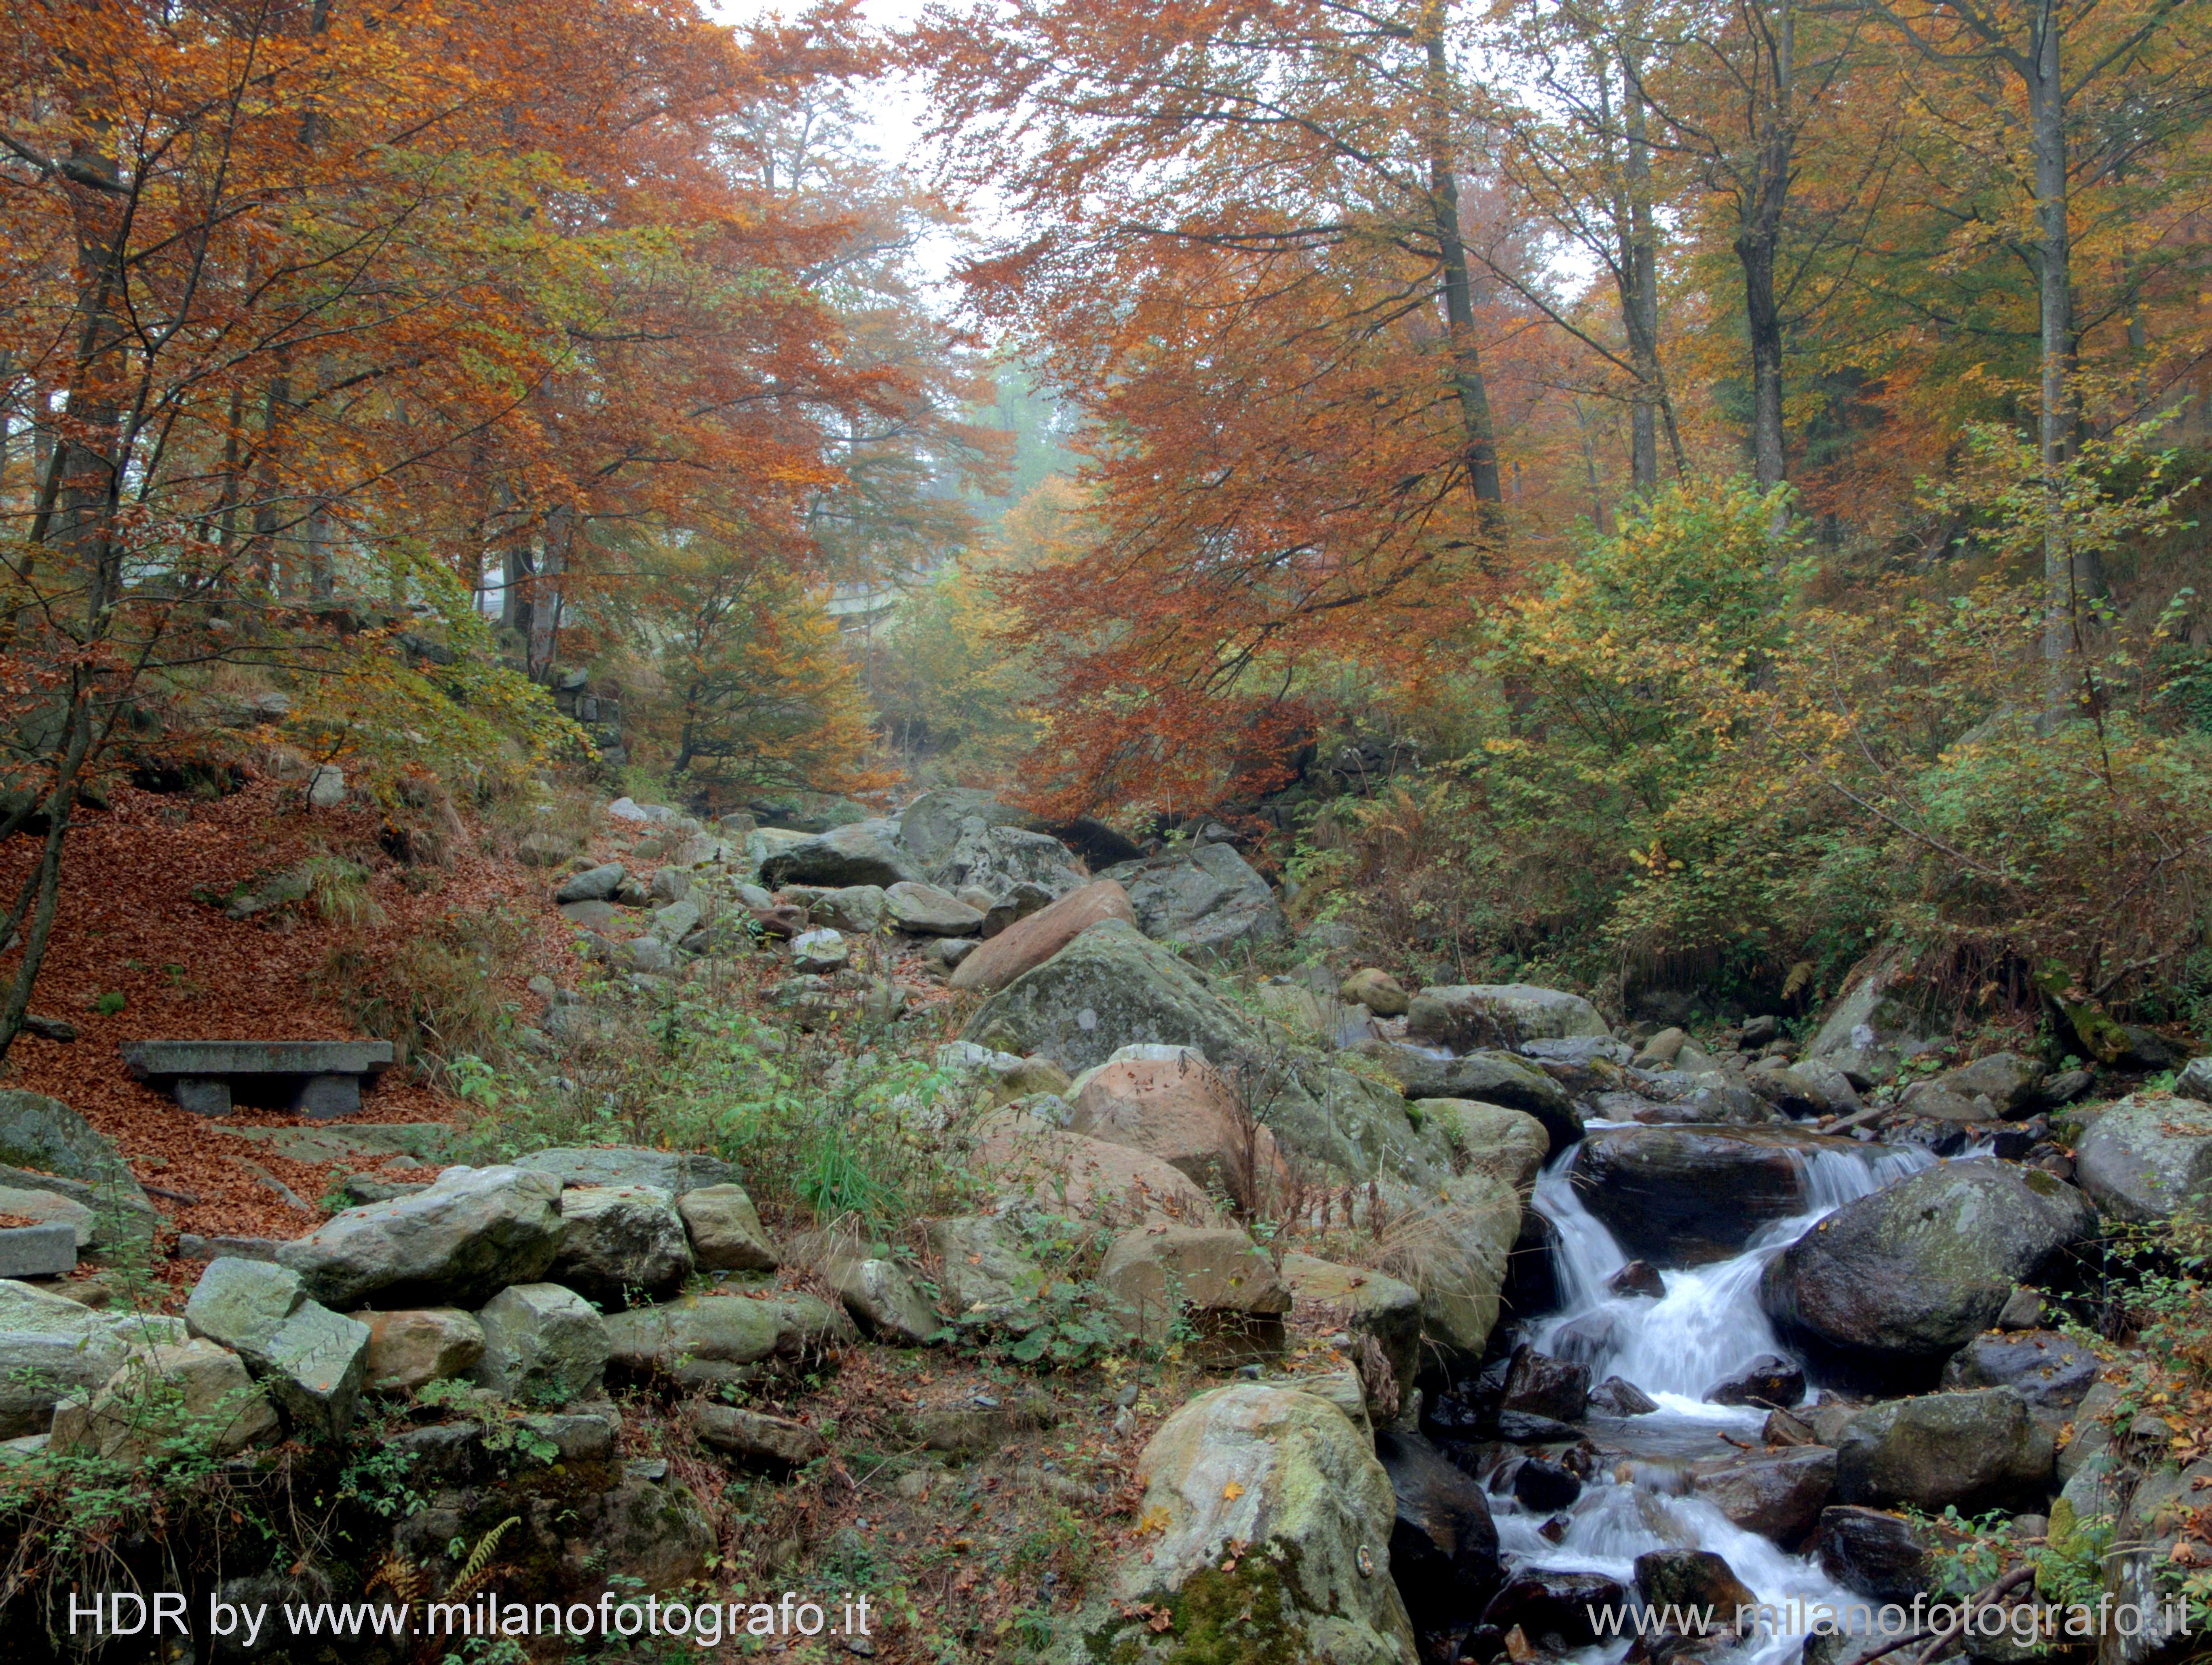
(1727, 476)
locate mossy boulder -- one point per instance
(1898, 1280)
(1266, 1534)
(2147, 1158)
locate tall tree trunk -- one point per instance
(545, 595)
(2064, 580)
(1640, 303)
(1467, 383)
(1762, 200)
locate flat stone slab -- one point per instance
(38, 1252)
(165, 1061)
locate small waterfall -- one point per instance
(1707, 1324)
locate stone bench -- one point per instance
(318, 1079)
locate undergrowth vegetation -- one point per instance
(1678, 763)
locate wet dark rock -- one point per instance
(1554, 1609)
(1768, 1380)
(1443, 1547)
(1617, 1396)
(1538, 1385)
(1692, 1579)
(1525, 1428)
(1778, 1495)
(1978, 1450)
(1532, 1283)
(1895, 1282)
(1638, 1277)
(1874, 1554)
(1544, 1488)
(1697, 1194)
(2051, 1373)
(1586, 1340)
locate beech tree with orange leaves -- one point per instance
(1243, 249)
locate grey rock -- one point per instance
(672, 1171)
(411, 1348)
(595, 884)
(671, 884)
(726, 1230)
(1871, 1003)
(926, 910)
(1443, 1544)
(856, 908)
(705, 1340)
(648, 955)
(885, 1300)
(2195, 1080)
(618, 1242)
(1500, 1014)
(931, 826)
(1872, 1552)
(1911, 1273)
(1019, 869)
(2006, 1079)
(543, 1345)
(2051, 1373)
(326, 787)
(471, 1233)
(988, 1270)
(169, 1392)
(43, 1141)
(863, 853)
(2146, 1157)
(1494, 1077)
(1778, 1495)
(38, 1251)
(755, 1437)
(1204, 896)
(672, 924)
(817, 951)
(312, 1361)
(1977, 1451)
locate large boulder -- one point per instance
(1107, 988)
(1184, 1112)
(168, 1394)
(1898, 1280)
(52, 1348)
(1686, 1195)
(863, 853)
(459, 1241)
(1872, 1552)
(931, 826)
(1020, 871)
(1777, 1494)
(1072, 1173)
(1875, 1014)
(1204, 896)
(1454, 1247)
(543, 1345)
(1510, 1145)
(708, 1341)
(1217, 1274)
(1369, 1305)
(412, 1348)
(1443, 1545)
(2051, 1372)
(1270, 1522)
(673, 1171)
(986, 1270)
(313, 1361)
(618, 1242)
(727, 1235)
(926, 910)
(1977, 1451)
(1466, 1015)
(46, 1146)
(2146, 1157)
(1027, 943)
(1492, 1076)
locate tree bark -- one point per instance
(2063, 580)
(1640, 304)
(1467, 383)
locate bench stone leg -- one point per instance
(325, 1096)
(202, 1095)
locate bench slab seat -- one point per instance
(319, 1079)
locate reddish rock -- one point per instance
(1186, 1112)
(1074, 1174)
(1029, 942)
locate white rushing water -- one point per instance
(1708, 1324)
